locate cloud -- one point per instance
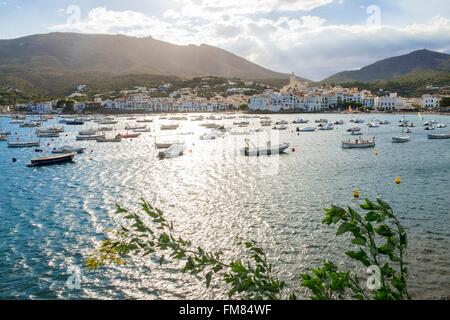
(308, 44)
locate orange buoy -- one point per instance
(356, 194)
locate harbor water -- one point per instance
(53, 217)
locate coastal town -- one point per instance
(297, 96)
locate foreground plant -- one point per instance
(379, 235)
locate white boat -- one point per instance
(105, 129)
(430, 128)
(339, 123)
(357, 120)
(176, 150)
(358, 144)
(128, 127)
(354, 129)
(90, 138)
(144, 120)
(441, 126)
(23, 144)
(3, 137)
(213, 135)
(373, 124)
(326, 127)
(142, 130)
(68, 149)
(170, 127)
(48, 134)
(166, 144)
(401, 139)
(104, 139)
(280, 127)
(300, 121)
(282, 122)
(87, 132)
(441, 136)
(50, 130)
(266, 123)
(252, 150)
(307, 129)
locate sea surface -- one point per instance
(53, 217)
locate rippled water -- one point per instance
(53, 217)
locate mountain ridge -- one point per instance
(45, 57)
(395, 67)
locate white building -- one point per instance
(391, 103)
(276, 102)
(430, 102)
(42, 107)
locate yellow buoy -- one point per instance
(356, 194)
(398, 180)
(376, 152)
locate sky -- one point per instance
(313, 38)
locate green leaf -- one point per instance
(344, 228)
(372, 216)
(208, 278)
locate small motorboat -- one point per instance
(213, 135)
(68, 149)
(50, 160)
(87, 132)
(129, 135)
(170, 127)
(3, 137)
(282, 122)
(300, 121)
(142, 130)
(135, 127)
(105, 129)
(339, 123)
(176, 150)
(358, 144)
(280, 127)
(328, 126)
(269, 149)
(107, 122)
(23, 144)
(401, 139)
(307, 129)
(430, 128)
(144, 121)
(116, 139)
(441, 125)
(266, 123)
(354, 129)
(90, 138)
(441, 136)
(356, 133)
(322, 121)
(74, 122)
(50, 130)
(48, 134)
(5, 133)
(31, 124)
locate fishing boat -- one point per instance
(174, 151)
(129, 135)
(50, 130)
(90, 138)
(354, 129)
(142, 130)
(307, 129)
(50, 160)
(135, 127)
(328, 126)
(280, 127)
(87, 132)
(75, 122)
(213, 135)
(31, 124)
(401, 139)
(358, 143)
(300, 121)
(252, 150)
(116, 139)
(105, 129)
(68, 149)
(48, 134)
(170, 127)
(144, 121)
(441, 136)
(23, 144)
